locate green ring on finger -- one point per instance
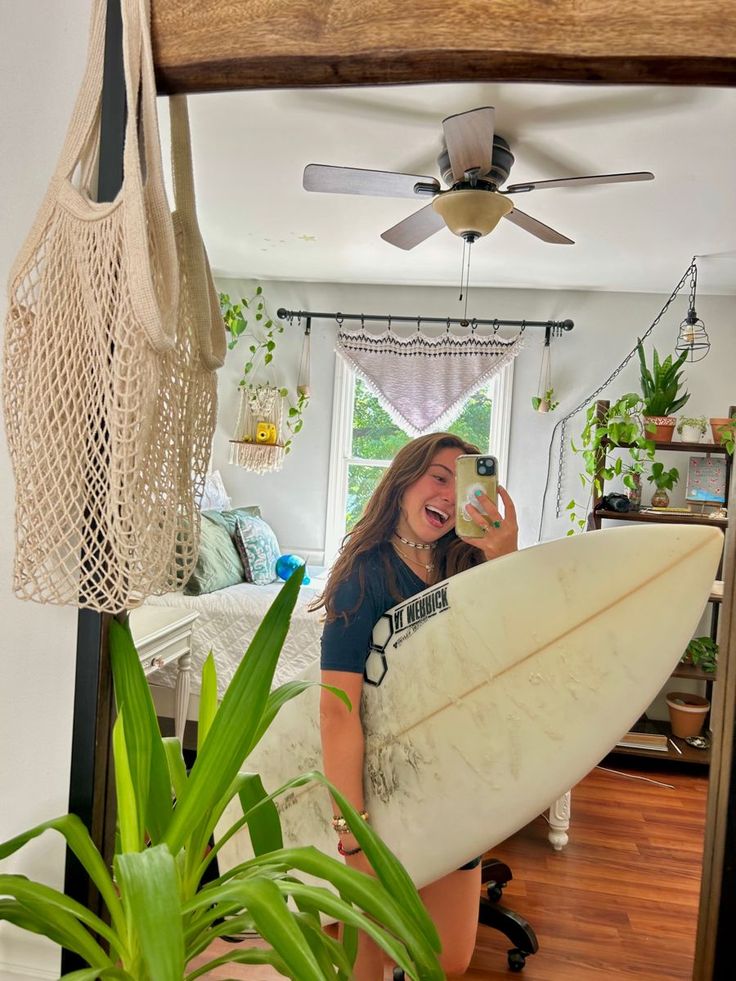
(495, 524)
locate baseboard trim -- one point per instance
(19, 972)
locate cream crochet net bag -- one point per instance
(109, 392)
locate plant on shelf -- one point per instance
(663, 480)
(661, 386)
(692, 428)
(702, 652)
(546, 402)
(724, 432)
(160, 914)
(250, 316)
(619, 426)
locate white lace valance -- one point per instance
(423, 381)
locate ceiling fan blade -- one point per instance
(469, 139)
(352, 180)
(640, 175)
(414, 229)
(537, 228)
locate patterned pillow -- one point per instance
(228, 519)
(258, 549)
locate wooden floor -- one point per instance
(618, 904)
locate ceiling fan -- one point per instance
(474, 163)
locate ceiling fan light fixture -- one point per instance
(472, 214)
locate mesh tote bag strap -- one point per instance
(202, 293)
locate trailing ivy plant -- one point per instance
(620, 425)
(160, 914)
(250, 316)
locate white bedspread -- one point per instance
(227, 621)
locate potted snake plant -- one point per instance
(161, 915)
(661, 386)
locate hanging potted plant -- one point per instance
(692, 428)
(663, 480)
(546, 402)
(270, 414)
(661, 386)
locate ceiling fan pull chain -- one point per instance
(462, 271)
(467, 282)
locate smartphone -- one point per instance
(473, 472)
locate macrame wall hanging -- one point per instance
(263, 433)
(260, 421)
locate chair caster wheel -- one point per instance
(494, 893)
(516, 959)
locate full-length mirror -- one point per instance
(608, 876)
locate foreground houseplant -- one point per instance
(161, 916)
(661, 386)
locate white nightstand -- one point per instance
(163, 634)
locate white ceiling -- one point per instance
(250, 149)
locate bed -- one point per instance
(227, 621)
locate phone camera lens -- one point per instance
(482, 468)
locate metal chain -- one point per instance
(693, 285)
(562, 424)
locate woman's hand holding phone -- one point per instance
(501, 531)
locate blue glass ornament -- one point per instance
(287, 564)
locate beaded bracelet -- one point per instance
(348, 851)
(342, 827)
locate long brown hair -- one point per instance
(380, 517)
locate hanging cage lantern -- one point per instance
(692, 336)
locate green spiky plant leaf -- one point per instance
(160, 913)
(661, 386)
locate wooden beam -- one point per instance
(216, 45)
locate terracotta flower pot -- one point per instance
(665, 427)
(716, 427)
(687, 713)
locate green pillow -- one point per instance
(218, 563)
(229, 519)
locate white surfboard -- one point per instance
(500, 688)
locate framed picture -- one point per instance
(706, 480)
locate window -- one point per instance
(365, 439)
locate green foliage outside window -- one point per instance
(377, 437)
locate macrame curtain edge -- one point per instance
(449, 414)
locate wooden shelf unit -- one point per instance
(687, 753)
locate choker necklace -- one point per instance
(413, 544)
(428, 566)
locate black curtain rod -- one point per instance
(551, 326)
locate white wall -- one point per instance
(43, 47)
(606, 329)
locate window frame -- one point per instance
(501, 388)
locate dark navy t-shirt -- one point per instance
(345, 646)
